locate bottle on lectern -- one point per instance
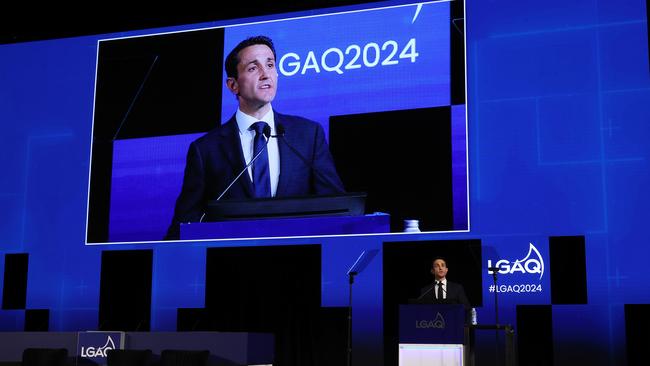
(411, 226)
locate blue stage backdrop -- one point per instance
(556, 142)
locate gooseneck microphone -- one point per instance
(280, 134)
(435, 283)
(267, 134)
(427, 291)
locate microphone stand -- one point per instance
(495, 271)
(496, 301)
(351, 281)
(358, 266)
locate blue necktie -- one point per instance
(261, 176)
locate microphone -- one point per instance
(267, 134)
(494, 269)
(280, 133)
(426, 292)
(279, 128)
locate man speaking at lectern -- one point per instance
(443, 291)
(290, 153)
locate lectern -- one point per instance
(431, 334)
(341, 214)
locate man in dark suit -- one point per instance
(297, 160)
(443, 291)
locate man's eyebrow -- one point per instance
(256, 62)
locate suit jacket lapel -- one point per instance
(231, 147)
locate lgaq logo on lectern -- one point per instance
(93, 346)
(438, 322)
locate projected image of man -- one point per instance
(280, 155)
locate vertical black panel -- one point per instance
(37, 320)
(637, 324)
(457, 44)
(272, 289)
(568, 269)
(331, 336)
(100, 191)
(392, 177)
(14, 292)
(535, 335)
(145, 86)
(407, 268)
(125, 290)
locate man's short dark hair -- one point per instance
(233, 57)
(439, 258)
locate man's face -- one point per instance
(439, 269)
(257, 78)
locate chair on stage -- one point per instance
(128, 357)
(45, 357)
(170, 357)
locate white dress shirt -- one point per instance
(247, 138)
(444, 288)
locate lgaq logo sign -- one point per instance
(438, 323)
(95, 345)
(531, 263)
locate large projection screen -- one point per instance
(386, 83)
